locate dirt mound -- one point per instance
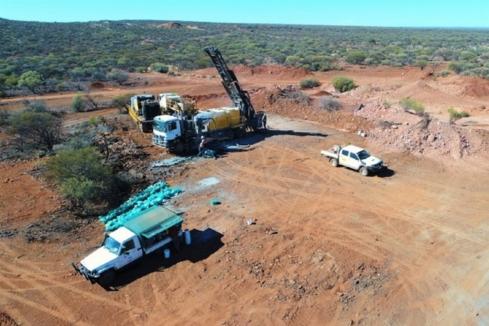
(171, 25)
(272, 70)
(322, 93)
(6, 320)
(475, 87)
(211, 100)
(97, 85)
(276, 70)
(293, 103)
(402, 131)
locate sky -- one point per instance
(392, 13)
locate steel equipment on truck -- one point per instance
(182, 133)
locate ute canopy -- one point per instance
(153, 221)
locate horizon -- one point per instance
(245, 23)
(468, 14)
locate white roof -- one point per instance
(122, 234)
(165, 118)
(353, 149)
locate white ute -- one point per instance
(355, 158)
(157, 228)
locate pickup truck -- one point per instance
(355, 158)
(154, 229)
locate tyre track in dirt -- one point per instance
(38, 280)
(360, 236)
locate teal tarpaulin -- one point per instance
(153, 195)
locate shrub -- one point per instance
(79, 190)
(36, 106)
(4, 118)
(409, 104)
(11, 81)
(387, 104)
(443, 73)
(356, 57)
(455, 115)
(31, 80)
(343, 84)
(78, 104)
(159, 67)
(421, 64)
(309, 83)
(122, 102)
(39, 129)
(329, 103)
(118, 76)
(81, 175)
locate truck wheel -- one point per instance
(107, 278)
(364, 171)
(334, 162)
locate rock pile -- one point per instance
(420, 134)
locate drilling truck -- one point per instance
(143, 109)
(182, 133)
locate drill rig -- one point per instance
(183, 133)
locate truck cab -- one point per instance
(166, 129)
(119, 249)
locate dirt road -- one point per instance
(328, 246)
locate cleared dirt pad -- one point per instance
(328, 246)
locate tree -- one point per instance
(31, 80)
(39, 129)
(81, 175)
(343, 84)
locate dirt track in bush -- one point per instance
(328, 246)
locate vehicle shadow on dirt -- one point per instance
(204, 243)
(385, 173)
(244, 143)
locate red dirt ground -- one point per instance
(328, 246)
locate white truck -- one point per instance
(154, 229)
(355, 158)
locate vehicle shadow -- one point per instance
(386, 173)
(244, 143)
(204, 243)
